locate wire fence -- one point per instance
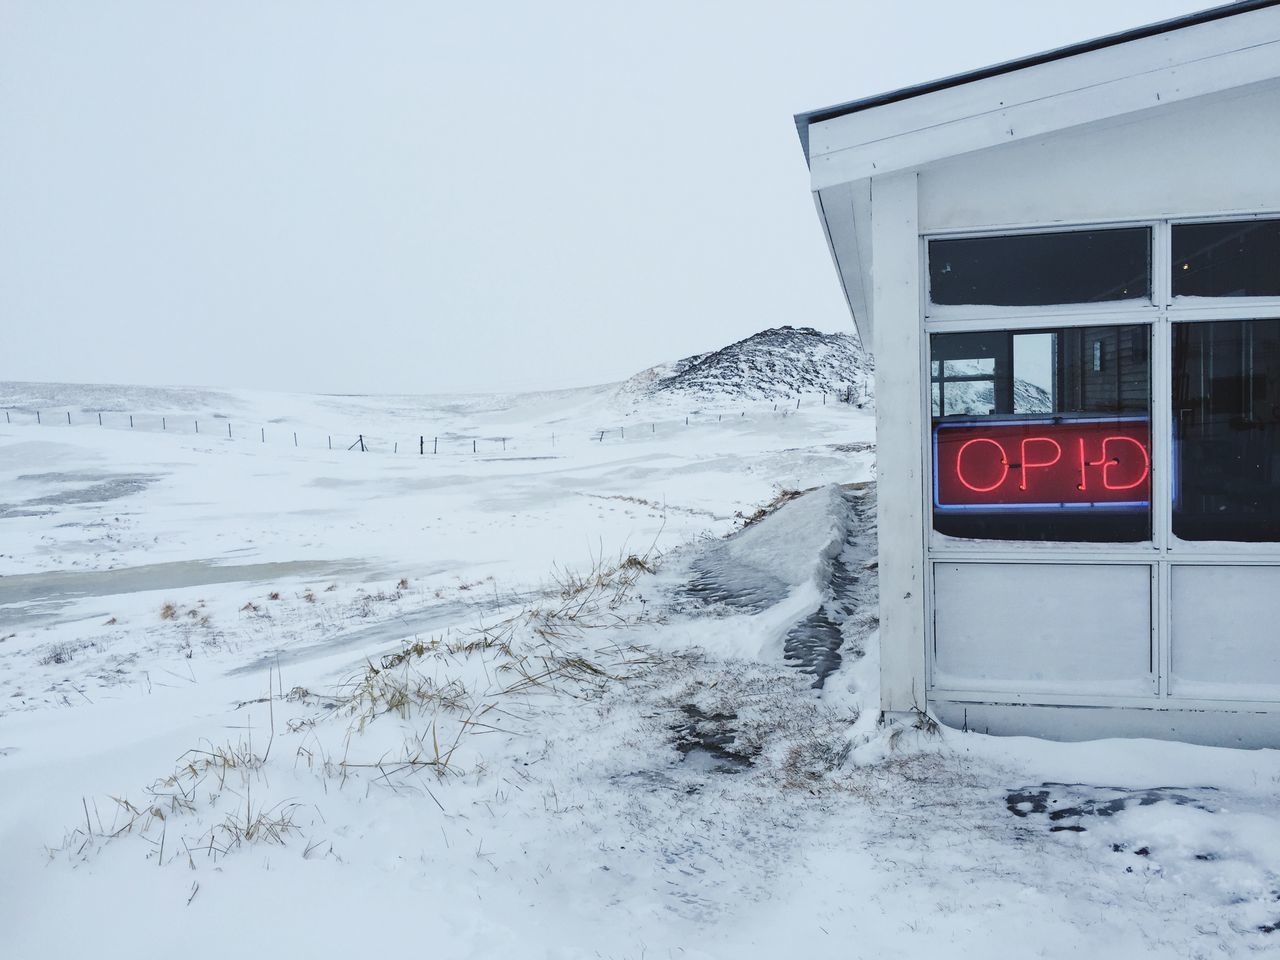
(436, 442)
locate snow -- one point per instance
(593, 760)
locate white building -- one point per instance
(1068, 271)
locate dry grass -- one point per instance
(541, 649)
(205, 776)
(169, 611)
(548, 649)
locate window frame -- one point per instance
(1212, 304)
(1164, 555)
(1159, 314)
(936, 311)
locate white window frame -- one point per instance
(1164, 551)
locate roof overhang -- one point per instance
(1123, 74)
(810, 117)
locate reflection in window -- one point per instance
(1079, 266)
(1237, 259)
(1055, 428)
(1033, 369)
(1226, 420)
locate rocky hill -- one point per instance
(774, 364)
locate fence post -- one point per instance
(197, 426)
(68, 418)
(295, 438)
(797, 403)
(473, 446)
(602, 436)
(435, 445)
(163, 424)
(37, 416)
(422, 445)
(131, 421)
(6, 416)
(99, 419)
(262, 432)
(395, 447)
(362, 449)
(653, 428)
(504, 444)
(331, 443)
(228, 429)
(686, 421)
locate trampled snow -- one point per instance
(553, 701)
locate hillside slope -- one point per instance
(774, 364)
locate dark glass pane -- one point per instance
(1240, 259)
(1086, 266)
(1043, 434)
(1226, 430)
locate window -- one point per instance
(1226, 427)
(1079, 266)
(1042, 435)
(1233, 259)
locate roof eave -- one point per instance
(805, 119)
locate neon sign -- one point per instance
(1063, 463)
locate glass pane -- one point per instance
(1033, 361)
(1239, 259)
(1086, 266)
(1226, 430)
(1044, 435)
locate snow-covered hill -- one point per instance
(774, 364)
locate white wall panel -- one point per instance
(1201, 157)
(1225, 632)
(1043, 628)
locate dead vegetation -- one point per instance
(539, 650)
(441, 691)
(206, 775)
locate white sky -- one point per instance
(422, 197)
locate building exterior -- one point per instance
(1068, 271)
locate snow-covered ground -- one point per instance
(553, 701)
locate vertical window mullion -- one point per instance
(1161, 433)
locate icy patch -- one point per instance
(1227, 848)
(1066, 805)
(46, 593)
(810, 564)
(101, 488)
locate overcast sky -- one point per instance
(422, 197)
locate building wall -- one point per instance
(1211, 155)
(1020, 637)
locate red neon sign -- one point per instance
(1025, 464)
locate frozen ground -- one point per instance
(266, 700)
